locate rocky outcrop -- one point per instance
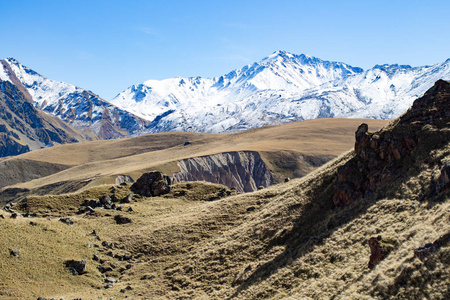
(379, 156)
(245, 170)
(152, 184)
(427, 250)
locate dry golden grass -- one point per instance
(100, 161)
(286, 241)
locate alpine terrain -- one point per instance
(281, 88)
(110, 221)
(81, 109)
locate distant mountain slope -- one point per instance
(82, 109)
(24, 127)
(281, 88)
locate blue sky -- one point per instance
(106, 46)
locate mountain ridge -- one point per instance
(280, 88)
(81, 109)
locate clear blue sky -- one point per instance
(106, 46)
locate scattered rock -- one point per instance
(14, 253)
(67, 221)
(105, 200)
(121, 219)
(153, 184)
(104, 269)
(92, 203)
(14, 215)
(123, 179)
(127, 288)
(110, 280)
(77, 267)
(128, 198)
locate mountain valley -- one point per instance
(372, 223)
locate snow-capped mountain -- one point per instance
(281, 88)
(82, 109)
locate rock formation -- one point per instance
(379, 156)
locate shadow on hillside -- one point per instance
(319, 219)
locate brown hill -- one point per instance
(301, 239)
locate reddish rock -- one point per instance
(379, 249)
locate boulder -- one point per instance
(152, 184)
(122, 179)
(121, 219)
(67, 221)
(14, 253)
(76, 267)
(128, 198)
(105, 200)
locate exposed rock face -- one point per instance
(152, 184)
(379, 156)
(24, 127)
(245, 170)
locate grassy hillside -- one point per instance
(304, 239)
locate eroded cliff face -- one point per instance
(243, 170)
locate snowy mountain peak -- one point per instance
(80, 108)
(280, 88)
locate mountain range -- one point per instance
(280, 88)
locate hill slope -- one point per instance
(297, 240)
